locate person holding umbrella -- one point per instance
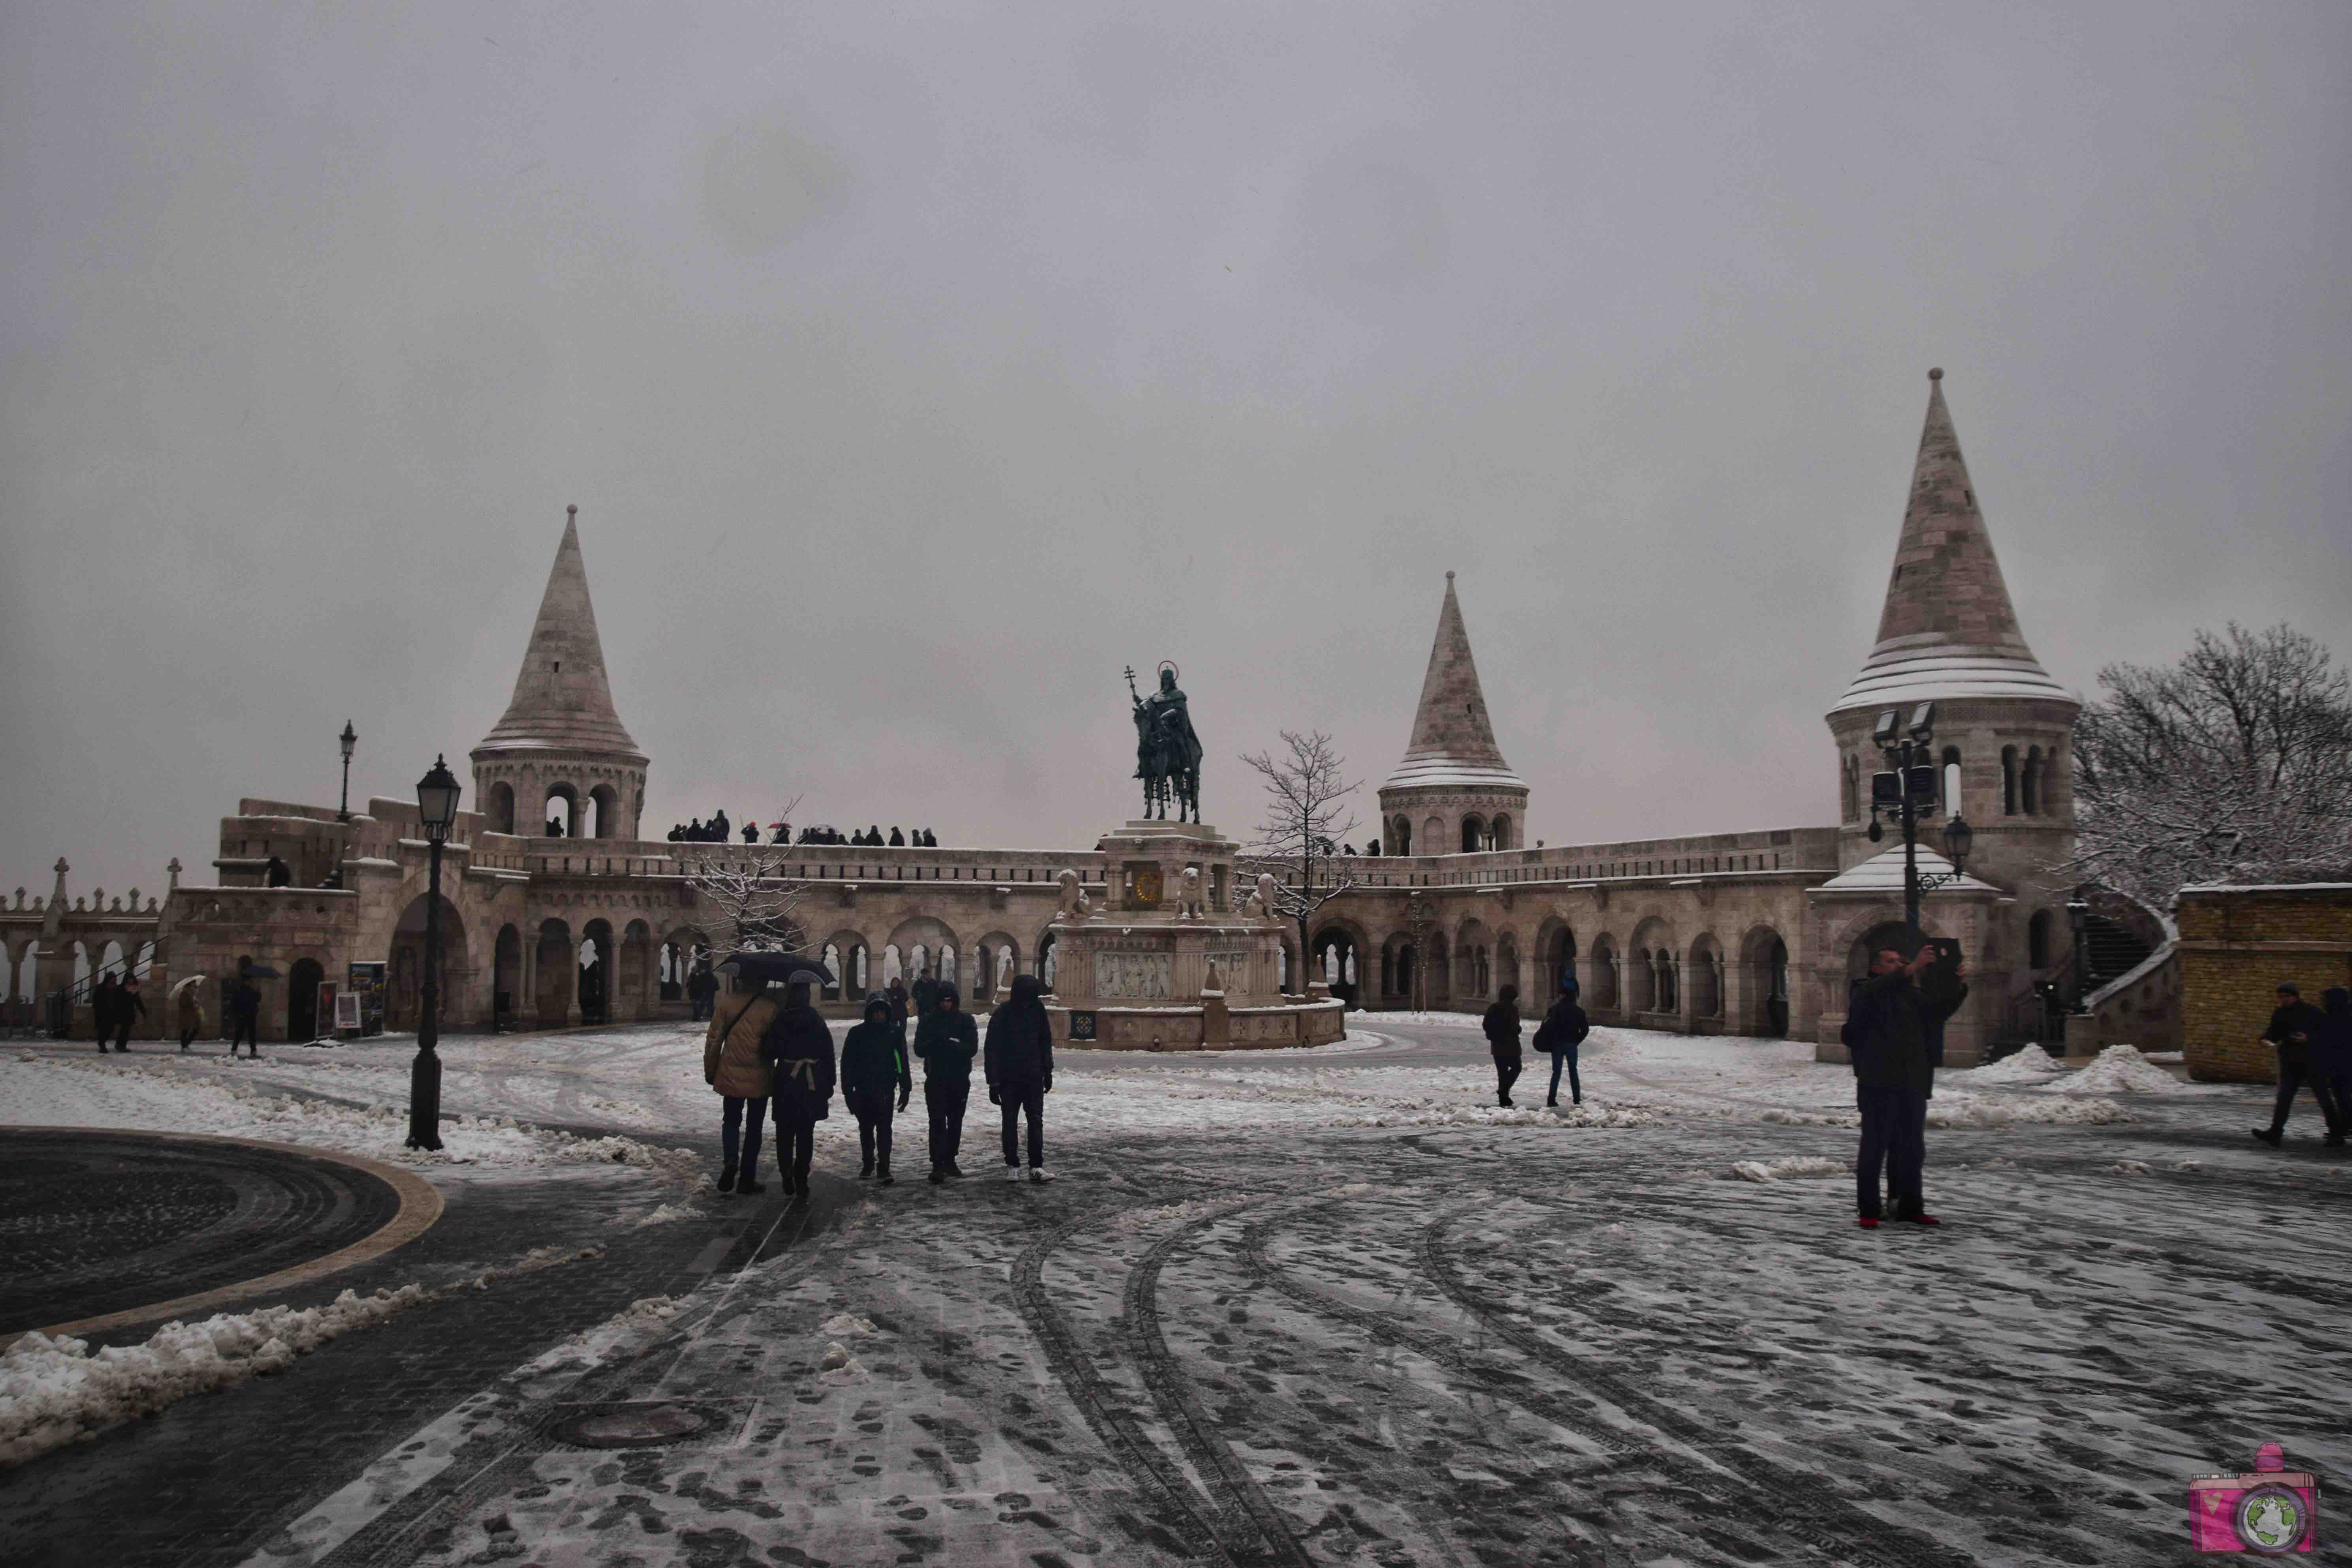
(732, 1066)
(188, 1003)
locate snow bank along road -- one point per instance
(1331, 1307)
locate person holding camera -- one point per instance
(2295, 1025)
(1894, 1036)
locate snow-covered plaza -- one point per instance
(1319, 1306)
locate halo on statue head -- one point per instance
(1170, 666)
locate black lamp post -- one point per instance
(437, 807)
(1909, 785)
(350, 739)
(2078, 913)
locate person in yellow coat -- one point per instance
(731, 1065)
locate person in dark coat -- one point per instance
(278, 873)
(128, 1008)
(897, 840)
(799, 1047)
(946, 1039)
(1887, 1035)
(896, 995)
(2331, 1057)
(102, 1001)
(1501, 1025)
(2293, 1025)
(243, 1006)
(874, 1067)
(1019, 1061)
(1562, 1032)
(701, 991)
(922, 996)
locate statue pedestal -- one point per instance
(1135, 973)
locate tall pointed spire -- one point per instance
(561, 697)
(1948, 630)
(1452, 737)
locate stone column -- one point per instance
(526, 985)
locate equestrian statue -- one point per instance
(1167, 751)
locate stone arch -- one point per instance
(1432, 834)
(1705, 970)
(1400, 835)
(1507, 962)
(1339, 951)
(303, 978)
(1948, 777)
(561, 803)
(1555, 952)
(2032, 781)
(498, 807)
(1499, 830)
(1473, 973)
(405, 999)
(841, 952)
(636, 978)
(928, 932)
(2009, 781)
(1607, 991)
(996, 959)
(606, 815)
(599, 960)
(2041, 950)
(1049, 959)
(1474, 833)
(506, 972)
(1764, 980)
(1650, 971)
(1400, 962)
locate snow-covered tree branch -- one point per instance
(2233, 765)
(1306, 817)
(749, 902)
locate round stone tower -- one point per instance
(1453, 793)
(2003, 729)
(560, 751)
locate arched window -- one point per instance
(1401, 837)
(2050, 781)
(1850, 790)
(501, 811)
(1952, 781)
(2009, 781)
(1500, 832)
(2033, 782)
(1473, 834)
(2037, 940)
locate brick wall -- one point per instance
(2237, 945)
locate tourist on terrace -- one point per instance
(946, 1039)
(2294, 1024)
(1502, 1025)
(874, 1066)
(897, 840)
(896, 995)
(799, 1049)
(731, 1065)
(1563, 1029)
(1019, 1061)
(750, 832)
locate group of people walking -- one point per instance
(116, 1006)
(1560, 1034)
(2315, 1047)
(764, 1051)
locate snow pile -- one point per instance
(1173, 1214)
(54, 1392)
(648, 1310)
(2132, 1168)
(839, 1366)
(2121, 1069)
(1970, 1111)
(2031, 1065)
(666, 1214)
(847, 1326)
(1507, 1115)
(1793, 1166)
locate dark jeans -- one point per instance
(186, 1035)
(2292, 1076)
(1575, 1085)
(122, 1035)
(736, 1127)
(1894, 1137)
(2342, 1078)
(1015, 1098)
(945, 1100)
(795, 1140)
(872, 1109)
(1506, 1073)
(243, 1030)
(702, 1007)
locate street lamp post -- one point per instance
(350, 739)
(1909, 782)
(437, 807)
(2078, 913)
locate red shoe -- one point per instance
(1869, 1222)
(1920, 1218)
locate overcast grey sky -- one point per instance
(915, 368)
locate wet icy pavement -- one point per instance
(1306, 1341)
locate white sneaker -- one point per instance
(1012, 1173)
(1039, 1174)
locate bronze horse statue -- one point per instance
(1167, 751)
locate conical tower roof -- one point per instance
(1948, 629)
(1453, 743)
(561, 697)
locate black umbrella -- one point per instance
(778, 968)
(260, 972)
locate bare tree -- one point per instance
(753, 902)
(1306, 797)
(2233, 765)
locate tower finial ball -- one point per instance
(1449, 576)
(574, 512)
(1936, 374)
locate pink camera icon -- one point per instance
(2269, 1510)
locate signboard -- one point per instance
(1082, 1026)
(366, 980)
(347, 1012)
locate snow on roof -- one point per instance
(1431, 773)
(2268, 887)
(1896, 675)
(1883, 873)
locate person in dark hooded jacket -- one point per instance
(799, 1047)
(1562, 1030)
(1501, 1025)
(874, 1066)
(946, 1039)
(1019, 1059)
(2331, 1057)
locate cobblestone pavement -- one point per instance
(1293, 1345)
(92, 1224)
